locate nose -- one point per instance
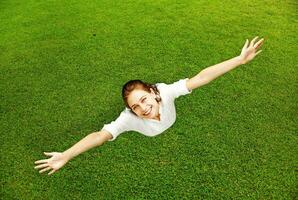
(143, 106)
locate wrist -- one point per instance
(240, 60)
(66, 155)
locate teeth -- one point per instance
(148, 111)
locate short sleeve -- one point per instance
(178, 88)
(118, 126)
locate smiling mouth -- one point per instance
(148, 112)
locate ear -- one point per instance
(152, 91)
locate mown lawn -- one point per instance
(63, 64)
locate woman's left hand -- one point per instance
(250, 49)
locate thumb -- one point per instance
(48, 153)
(258, 52)
(246, 44)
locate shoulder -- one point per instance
(128, 116)
(162, 87)
(175, 89)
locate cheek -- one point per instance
(153, 101)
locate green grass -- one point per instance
(63, 64)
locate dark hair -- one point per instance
(138, 84)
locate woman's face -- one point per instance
(143, 103)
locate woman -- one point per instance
(150, 109)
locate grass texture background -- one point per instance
(63, 64)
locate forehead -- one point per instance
(135, 96)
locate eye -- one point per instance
(135, 107)
(144, 99)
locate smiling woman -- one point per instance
(150, 108)
(149, 113)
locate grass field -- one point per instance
(63, 64)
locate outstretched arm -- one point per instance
(58, 159)
(249, 51)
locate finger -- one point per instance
(48, 153)
(259, 43)
(41, 166)
(46, 169)
(51, 172)
(253, 41)
(246, 44)
(41, 161)
(258, 52)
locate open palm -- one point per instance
(250, 49)
(55, 162)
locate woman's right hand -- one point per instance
(57, 161)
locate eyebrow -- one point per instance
(139, 100)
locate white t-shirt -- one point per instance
(127, 121)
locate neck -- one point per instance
(157, 118)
